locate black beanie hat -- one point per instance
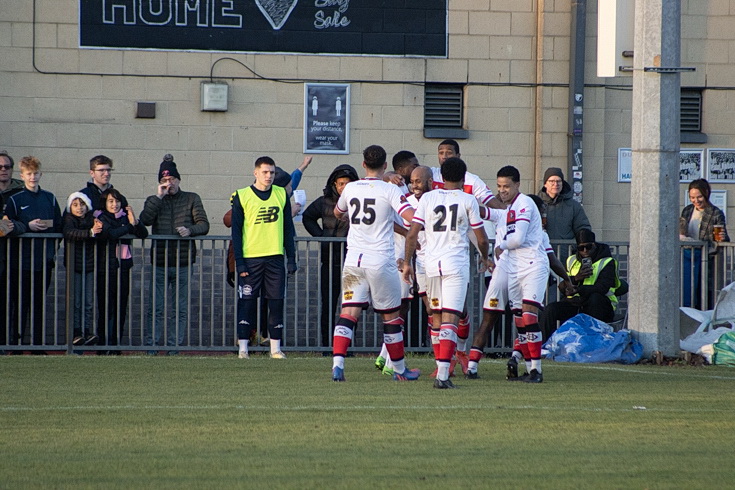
(551, 171)
(168, 168)
(585, 236)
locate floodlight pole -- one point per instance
(654, 207)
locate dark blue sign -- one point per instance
(377, 27)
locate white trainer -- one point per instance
(278, 355)
(243, 355)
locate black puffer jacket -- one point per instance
(164, 216)
(113, 228)
(76, 230)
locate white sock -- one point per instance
(243, 343)
(338, 361)
(399, 367)
(275, 346)
(472, 366)
(461, 344)
(517, 356)
(536, 364)
(529, 366)
(443, 372)
(384, 351)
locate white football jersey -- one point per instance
(523, 236)
(472, 185)
(497, 216)
(421, 239)
(398, 239)
(371, 205)
(447, 216)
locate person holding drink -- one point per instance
(703, 221)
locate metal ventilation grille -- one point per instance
(443, 106)
(691, 111)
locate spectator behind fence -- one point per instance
(100, 171)
(564, 216)
(698, 221)
(32, 210)
(114, 265)
(595, 285)
(330, 273)
(80, 230)
(171, 211)
(8, 187)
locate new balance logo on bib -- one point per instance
(267, 215)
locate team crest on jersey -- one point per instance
(347, 296)
(434, 302)
(493, 302)
(510, 217)
(403, 199)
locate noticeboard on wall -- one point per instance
(327, 118)
(376, 27)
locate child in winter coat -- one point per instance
(80, 229)
(115, 264)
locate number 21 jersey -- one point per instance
(447, 216)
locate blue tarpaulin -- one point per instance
(586, 339)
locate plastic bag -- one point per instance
(724, 349)
(713, 324)
(583, 338)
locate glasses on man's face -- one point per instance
(553, 182)
(6, 167)
(583, 247)
(104, 170)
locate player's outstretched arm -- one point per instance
(483, 245)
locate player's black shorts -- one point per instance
(267, 278)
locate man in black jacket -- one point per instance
(594, 275)
(172, 211)
(331, 256)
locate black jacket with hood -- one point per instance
(323, 209)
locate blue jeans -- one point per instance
(692, 266)
(172, 311)
(83, 303)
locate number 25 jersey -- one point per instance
(371, 206)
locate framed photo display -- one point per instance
(691, 165)
(721, 164)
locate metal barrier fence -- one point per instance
(39, 301)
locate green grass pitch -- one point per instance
(222, 422)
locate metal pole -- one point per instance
(576, 96)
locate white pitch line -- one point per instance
(321, 408)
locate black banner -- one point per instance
(377, 27)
